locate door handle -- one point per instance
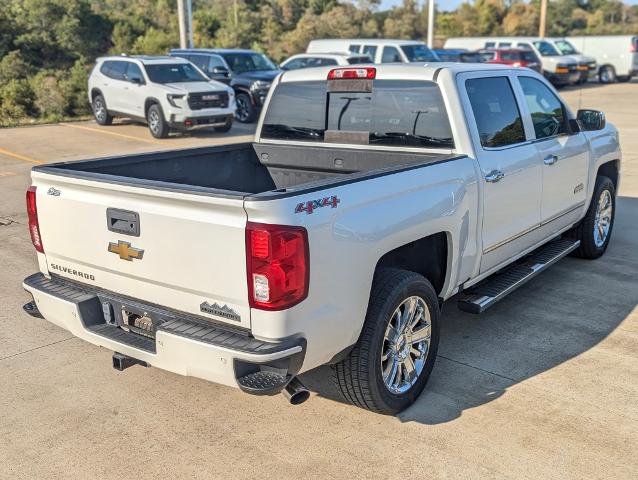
(494, 176)
(550, 160)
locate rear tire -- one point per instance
(389, 386)
(623, 78)
(100, 111)
(156, 123)
(594, 231)
(607, 74)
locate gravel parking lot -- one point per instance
(543, 385)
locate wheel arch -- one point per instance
(95, 92)
(611, 170)
(150, 101)
(428, 256)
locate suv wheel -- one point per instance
(225, 128)
(594, 230)
(100, 112)
(389, 366)
(246, 111)
(607, 74)
(156, 123)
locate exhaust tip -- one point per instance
(295, 392)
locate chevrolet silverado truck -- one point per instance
(371, 195)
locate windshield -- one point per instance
(565, 47)
(546, 49)
(396, 112)
(419, 53)
(174, 73)
(248, 62)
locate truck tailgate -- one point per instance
(189, 252)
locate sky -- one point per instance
(447, 5)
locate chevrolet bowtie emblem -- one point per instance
(125, 251)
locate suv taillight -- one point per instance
(34, 226)
(277, 265)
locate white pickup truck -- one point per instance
(370, 196)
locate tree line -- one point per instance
(48, 46)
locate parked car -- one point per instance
(458, 55)
(309, 60)
(379, 50)
(334, 237)
(558, 69)
(166, 93)
(251, 74)
(616, 55)
(586, 64)
(515, 57)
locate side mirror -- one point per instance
(136, 80)
(591, 119)
(220, 71)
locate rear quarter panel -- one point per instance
(373, 217)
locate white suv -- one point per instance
(166, 92)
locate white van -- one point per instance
(558, 69)
(379, 50)
(617, 55)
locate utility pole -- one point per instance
(189, 17)
(182, 24)
(541, 25)
(431, 23)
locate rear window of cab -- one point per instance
(394, 113)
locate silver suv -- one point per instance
(165, 92)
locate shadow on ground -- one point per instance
(559, 315)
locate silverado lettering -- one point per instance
(71, 271)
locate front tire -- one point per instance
(607, 74)
(100, 112)
(225, 128)
(594, 231)
(156, 123)
(246, 111)
(389, 366)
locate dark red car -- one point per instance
(516, 57)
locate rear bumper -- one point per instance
(183, 344)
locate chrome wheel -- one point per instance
(154, 121)
(405, 345)
(99, 110)
(602, 220)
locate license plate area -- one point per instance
(130, 318)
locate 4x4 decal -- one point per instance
(312, 205)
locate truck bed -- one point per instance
(245, 169)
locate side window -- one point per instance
(490, 44)
(133, 72)
(548, 113)
(354, 48)
(216, 61)
(117, 70)
(504, 44)
(390, 55)
(525, 46)
(105, 69)
(495, 110)
(201, 62)
(326, 62)
(488, 56)
(295, 64)
(370, 50)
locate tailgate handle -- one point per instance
(123, 221)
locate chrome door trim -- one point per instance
(531, 229)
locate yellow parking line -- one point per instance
(106, 132)
(19, 157)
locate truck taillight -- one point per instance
(34, 226)
(352, 73)
(277, 265)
